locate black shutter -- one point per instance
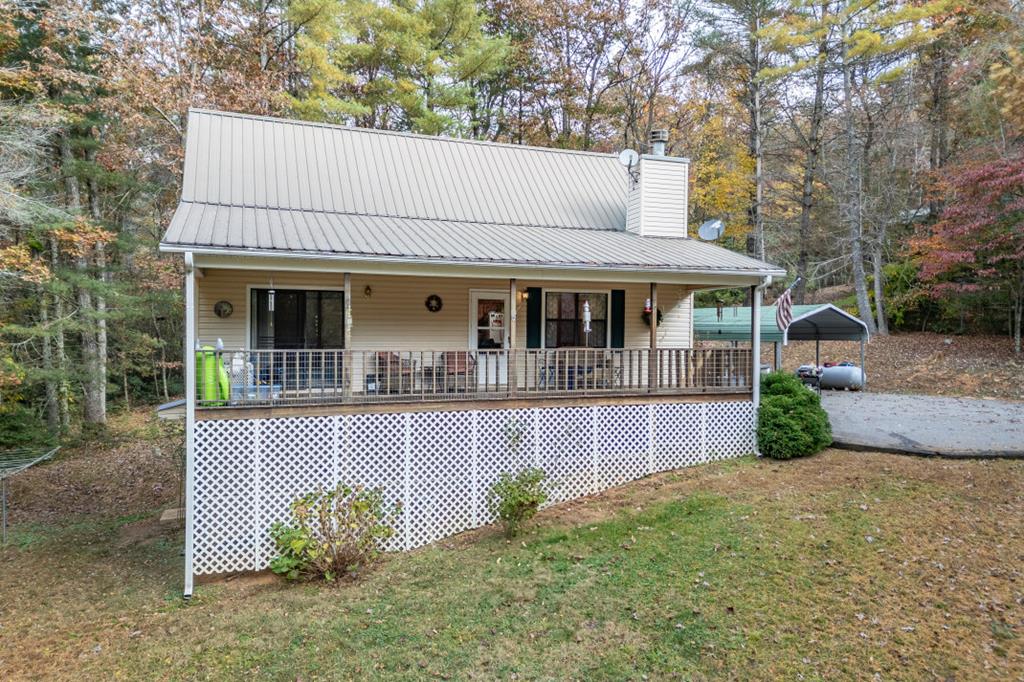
(618, 318)
(534, 316)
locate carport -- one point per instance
(814, 322)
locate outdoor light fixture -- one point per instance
(367, 292)
(270, 297)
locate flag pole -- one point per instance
(785, 332)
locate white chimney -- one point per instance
(657, 201)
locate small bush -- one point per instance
(791, 422)
(333, 534)
(515, 499)
(20, 427)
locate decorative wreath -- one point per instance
(647, 317)
(434, 303)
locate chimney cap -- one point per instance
(659, 135)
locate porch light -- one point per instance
(367, 292)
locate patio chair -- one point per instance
(459, 371)
(394, 374)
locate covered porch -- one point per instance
(278, 333)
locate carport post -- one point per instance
(778, 356)
(817, 352)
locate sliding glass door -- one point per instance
(292, 319)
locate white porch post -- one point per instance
(190, 418)
(755, 346)
(512, 368)
(652, 363)
(347, 355)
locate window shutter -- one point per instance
(618, 318)
(534, 316)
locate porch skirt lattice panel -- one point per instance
(438, 464)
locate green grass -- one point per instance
(704, 583)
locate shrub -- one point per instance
(515, 499)
(20, 427)
(791, 422)
(333, 534)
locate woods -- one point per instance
(870, 147)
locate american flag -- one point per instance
(784, 310)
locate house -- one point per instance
(423, 313)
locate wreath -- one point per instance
(433, 303)
(647, 317)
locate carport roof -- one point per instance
(823, 322)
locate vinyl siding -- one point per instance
(394, 317)
(663, 186)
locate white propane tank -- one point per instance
(843, 377)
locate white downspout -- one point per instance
(755, 349)
(190, 418)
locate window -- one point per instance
(563, 320)
(300, 319)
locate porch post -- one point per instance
(755, 346)
(347, 355)
(512, 369)
(652, 363)
(190, 419)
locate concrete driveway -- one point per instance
(926, 425)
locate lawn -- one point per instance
(845, 565)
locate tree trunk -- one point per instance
(60, 358)
(52, 404)
(810, 171)
(755, 242)
(101, 303)
(851, 201)
(94, 409)
(879, 276)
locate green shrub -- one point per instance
(791, 422)
(515, 499)
(333, 534)
(21, 427)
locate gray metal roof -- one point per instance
(271, 185)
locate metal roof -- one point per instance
(823, 321)
(269, 185)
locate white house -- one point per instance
(422, 313)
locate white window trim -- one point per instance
(249, 312)
(562, 290)
(493, 293)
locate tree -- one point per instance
(395, 65)
(978, 244)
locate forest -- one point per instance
(871, 147)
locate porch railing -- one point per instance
(248, 378)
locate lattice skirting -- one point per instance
(439, 464)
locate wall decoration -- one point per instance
(434, 303)
(223, 309)
(647, 317)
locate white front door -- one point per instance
(488, 334)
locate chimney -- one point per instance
(659, 138)
(657, 200)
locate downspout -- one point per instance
(190, 419)
(755, 348)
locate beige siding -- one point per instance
(633, 204)
(394, 317)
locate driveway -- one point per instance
(926, 425)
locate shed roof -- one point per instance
(823, 322)
(258, 184)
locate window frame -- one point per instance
(251, 312)
(544, 291)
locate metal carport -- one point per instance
(814, 322)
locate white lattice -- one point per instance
(438, 464)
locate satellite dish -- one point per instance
(628, 157)
(711, 230)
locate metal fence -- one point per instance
(245, 378)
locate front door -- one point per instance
(488, 334)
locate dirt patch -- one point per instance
(136, 469)
(924, 363)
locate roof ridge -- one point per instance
(400, 133)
